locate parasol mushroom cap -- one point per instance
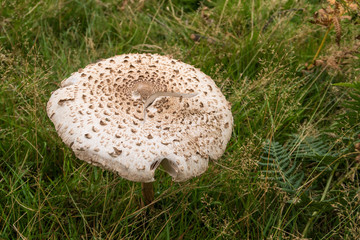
(131, 113)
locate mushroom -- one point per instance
(132, 113)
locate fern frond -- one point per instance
(281, 164)
(310, 148)
(279, 167)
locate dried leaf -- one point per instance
(339, 59)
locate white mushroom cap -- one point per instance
(99, 113)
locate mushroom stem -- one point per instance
(148, 192)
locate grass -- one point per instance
(46, 193)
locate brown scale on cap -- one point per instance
(145, 89)
(132, 113)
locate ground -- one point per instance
(290, 170)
